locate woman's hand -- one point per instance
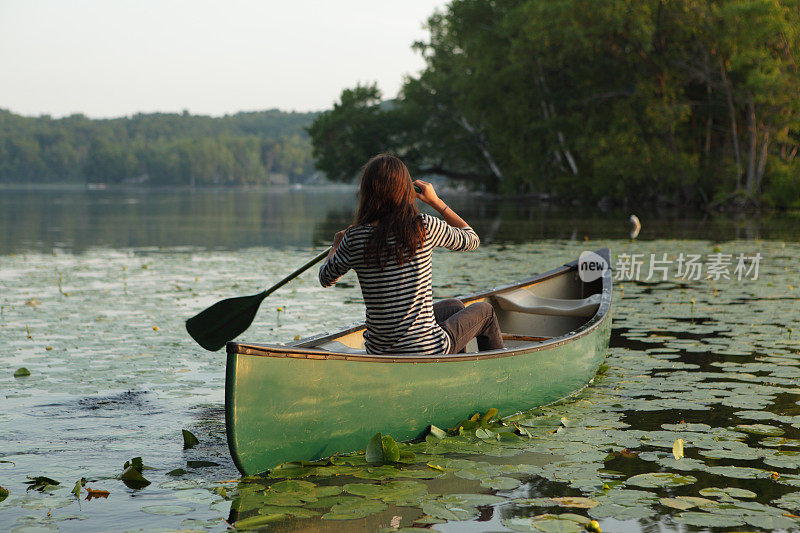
(337, 240)
(338, 236)
(428, 195)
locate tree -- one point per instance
(354, 130)
(108, 163)
(679, 100)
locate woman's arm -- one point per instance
(453, 232)
(338, 262)
(429, 196)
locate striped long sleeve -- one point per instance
(398, 299)
(338, 265)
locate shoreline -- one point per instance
(545, 200)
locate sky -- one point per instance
(110, 58)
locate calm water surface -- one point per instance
(95, 287)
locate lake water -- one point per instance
(95, 286)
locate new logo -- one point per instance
(591, 266)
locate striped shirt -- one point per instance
(399, 298)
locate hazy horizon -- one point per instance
(157, 112)
(110, 60)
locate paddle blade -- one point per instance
(224, 321)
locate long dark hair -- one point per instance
(386, 201)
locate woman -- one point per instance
(390, 246)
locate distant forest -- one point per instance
(157, 149)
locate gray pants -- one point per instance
(463, 324)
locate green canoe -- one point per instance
(318, 396)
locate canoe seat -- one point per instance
(340, 347)
(524, 301)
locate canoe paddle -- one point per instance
(227, 319)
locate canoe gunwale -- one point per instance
(297, 351)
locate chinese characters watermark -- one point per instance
(717, 266)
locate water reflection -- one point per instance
(75, 220)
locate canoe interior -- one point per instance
(319, 396)
(564, 285)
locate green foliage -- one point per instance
(135, 463)
(157, 149)
(382, 449)
(189, 439)
(478, 422)
(76, 490)
(355, 130)
(132, 474)
(41, 483)
(685, 101)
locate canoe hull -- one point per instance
(286, 408)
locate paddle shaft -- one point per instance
(296, 273)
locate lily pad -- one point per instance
(382, 449)
(454, 511)
(297, 512)
(564, 523)
(486, 434)
(575, 501)
(167, 510)
(76, 489)
(771, 522)
(783, 459)
(683, 464)
(200, 464)
(621, 512)
(47, 502)
(279, 499)
(687, 427)
(740, 472)
(295, 487)
(700, 519)
(259, 521)
(389, 471)
(134, 478)
(501, 483)
(780, 441)
(660, 479)
(354, 509)
(760, 429)
(477, 500)
(136, 463)
(397, 492)
(327, 502)
(180, 484)
(789, 501)
(740, 453)
(732, 492)
(677, 503)
(41, 483)
(22, 372)
(189, 440)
